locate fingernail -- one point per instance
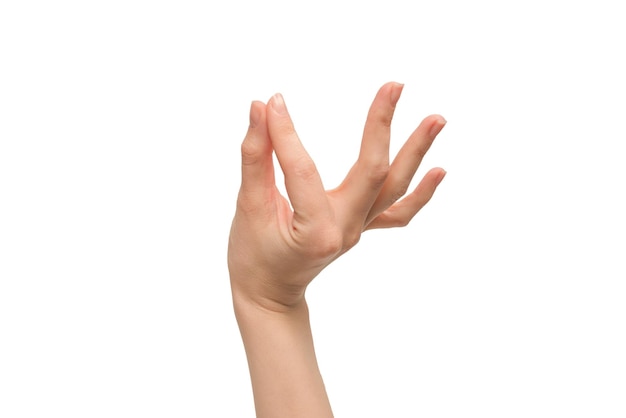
(278, 104)
(441, 176)
(255, 115)
(396, 90)
(437, 127)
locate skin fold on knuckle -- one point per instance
(303, 168)
(377, 174)
(251, 152)
(382, 117)
(284, 128)
(397, 220)
(247, 206)
(396, 187)
(394, 197)
(381, 221)
(253, 206)
(421, 151)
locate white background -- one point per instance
(120, 126)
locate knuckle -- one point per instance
(383, 117)
(304, 168)
(420, 152)
(285, 127)
(378, 173)
(327, 245)
(250, 152)
(351, 239)
(402, 222)
(400, 187)
(394, 219)
(385, 120)
(248, 206)
(245, 206)
(395, 196)
(398, 221)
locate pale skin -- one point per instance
(279, 244)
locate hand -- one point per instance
(277, 246)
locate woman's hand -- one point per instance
(278, 245)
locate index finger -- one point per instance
(302, 180)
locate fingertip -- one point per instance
(395, 92)
(255, 142)
(390, 91)
(434, 176)
(438, 123)
(256, 113)
(441, 174)
(277, 104)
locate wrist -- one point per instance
(264, 295)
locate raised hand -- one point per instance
(277, 246)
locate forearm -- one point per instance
(285, 376)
